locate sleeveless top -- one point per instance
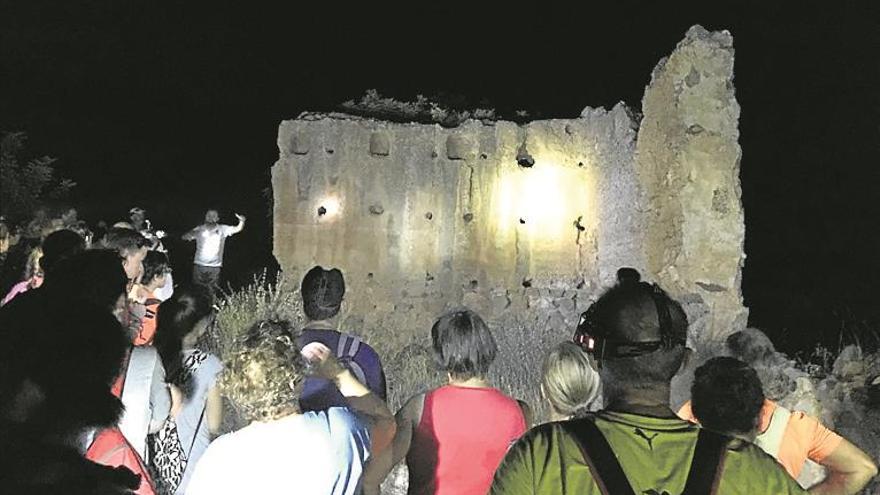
(461, 439)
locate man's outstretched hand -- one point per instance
(241, 218)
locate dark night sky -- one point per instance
(174, 107)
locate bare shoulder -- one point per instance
(411, 411)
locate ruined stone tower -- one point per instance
(526, 223)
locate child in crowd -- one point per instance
(132, 248)
(156, 269)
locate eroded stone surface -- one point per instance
(526, 242)
(688, 160)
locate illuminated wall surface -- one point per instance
(530, 221)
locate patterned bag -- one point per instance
(168, 459)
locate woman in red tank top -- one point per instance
(454, 437)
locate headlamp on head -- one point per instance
(593, 338)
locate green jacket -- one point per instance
(655, 455)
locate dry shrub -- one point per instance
(260, 300)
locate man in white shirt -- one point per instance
(210, 239)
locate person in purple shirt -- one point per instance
(322, 292)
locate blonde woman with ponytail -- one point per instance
(568, 383)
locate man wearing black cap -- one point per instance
(636, 335)
(322, 292)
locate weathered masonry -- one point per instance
(526, 222)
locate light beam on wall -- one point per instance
(328, 207)
(542, 201)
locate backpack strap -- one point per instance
(705, 472)
(346, 349)
(603, 463)
(135, 420)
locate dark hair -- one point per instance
(463, 344)
(155, 265)
(125, 241)
(96, 275)
(635, 313)
(175, 319)
(71, 350)
(59, 245)
(727, 396)
(322, 292)
(627, 275)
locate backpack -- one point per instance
(353, 353)
(703, 477)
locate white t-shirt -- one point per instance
(210, 242)
(318, 452)
(166, 291)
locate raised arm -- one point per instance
(191, 235)
(359, 397)
(849, 470)
(238, 228)
(380, 466)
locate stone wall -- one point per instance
(688, 160)
(525, 222)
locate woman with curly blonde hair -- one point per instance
(285, 450)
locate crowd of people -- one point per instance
(105, 389)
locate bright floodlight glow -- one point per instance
(328, 207)
(543, 200)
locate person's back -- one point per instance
(791, 437)
(727, 396)
(461, 438)
(284, 450)
(322, 293)
(454, 437)
(191, 423)
(354, 354)
(636, 336)
(315, 452)
(654, 453)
